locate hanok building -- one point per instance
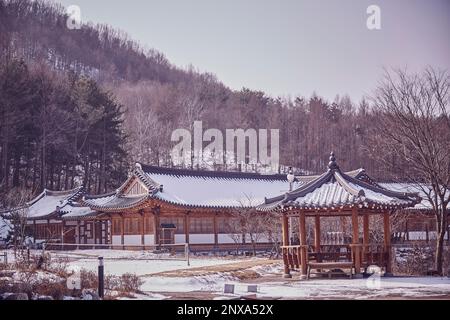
(332, 194)
(175, 206)
(57, 216)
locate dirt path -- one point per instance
(240, 270)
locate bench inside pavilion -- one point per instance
(336, 194)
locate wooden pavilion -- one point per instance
(337, 194)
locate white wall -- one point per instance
(226, 238)
(133, 239)
(149, 239)
(117, 240)
(201, 238)
(180, 238)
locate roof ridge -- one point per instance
(213, 174)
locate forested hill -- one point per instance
(83, 104)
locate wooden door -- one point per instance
(167, 236)
(69, 235)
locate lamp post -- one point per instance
(101, 286)
(291, 178)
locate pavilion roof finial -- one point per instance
(332, 165)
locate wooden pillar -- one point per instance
(317, 233)
(285, 234)
(35, 231)
(110, 230)
(122, 231)
(387, 240)
(143, 230)
(156, 225)
(186, 227)
(356, 248)
(216, 236)
(63, 226)
(85, 235)
(78, 233)
(407, 230)
(427, 232)
(303, 248)
(94, 232)
(366, 239)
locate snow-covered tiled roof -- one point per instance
(113, 202)
(49, 202)
(56, 204)
(76, 211)
(421, 189)
(335, 189)
(199, 189)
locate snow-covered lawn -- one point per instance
(118, 262)
(160, 282)
(392, 287)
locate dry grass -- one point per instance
(237, 269)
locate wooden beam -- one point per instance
(317, 233)
(122, 231)
(186, 227)
(355, 241)
(407, 230)
(285, 230)
(78, 232)
(216, 236)
(94, 232)
(35, 231)
(110, 230)
(285, 234)
(63, 226)
(143, 230)
(303, 249)
(156, 226)
(387, 239)
(85, 235)
(366, 239)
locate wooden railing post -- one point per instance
(303, 249)
(285, 232)
(355, 247)
(387, 241)
(366, 239)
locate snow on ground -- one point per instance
(357, 288)
(323, 288)
(118, 262)
(270, 284)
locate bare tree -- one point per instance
(17, 218)
(412, 137)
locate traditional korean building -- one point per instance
(57, 216)
(175, 206)
(336, 194)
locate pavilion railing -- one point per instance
(366, 254)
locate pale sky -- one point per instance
(285, 47)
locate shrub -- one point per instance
(130, 283)
(49, 287)
(89, 279)
(416, 260)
